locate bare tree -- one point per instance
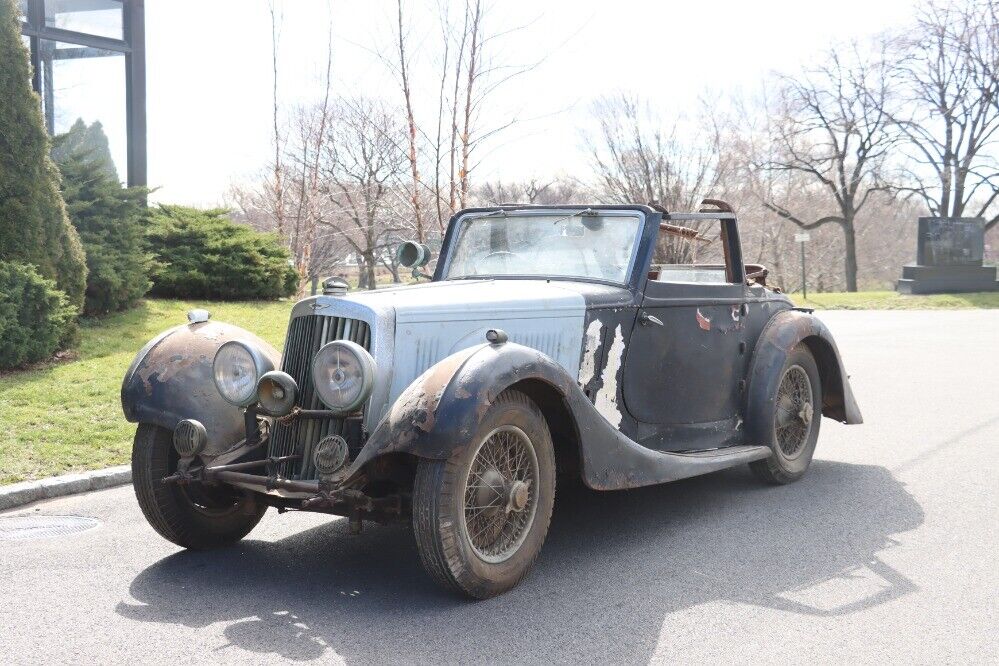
(411, 123)
(470, 75)
(831, 126)
(638, 158)
(474, 72)
(545, 192)
(948, 72)
(277, 186)
(360, 171)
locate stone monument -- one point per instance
(949, 254)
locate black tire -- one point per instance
(439, 507)
(189, 516)
(785, 466)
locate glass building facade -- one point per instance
(88, 62)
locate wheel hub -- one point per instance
(806, 413)
(491, 490)
(794, 411)
(500, 494)
(518, 494)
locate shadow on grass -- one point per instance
(614, 569)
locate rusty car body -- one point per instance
(548, 341)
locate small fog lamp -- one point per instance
(276, 393)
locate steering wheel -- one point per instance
(502, 253)
(501, 260)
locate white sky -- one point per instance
(209, 70)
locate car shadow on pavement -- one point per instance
(614, 568)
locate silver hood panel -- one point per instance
(434, 320)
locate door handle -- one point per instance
(645, 319)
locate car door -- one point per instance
(686, 360)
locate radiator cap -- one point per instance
(335, 286)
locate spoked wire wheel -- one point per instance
(500, 494)
(481, 516)
(795, 409)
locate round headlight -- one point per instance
(236, 369)
(343, 373)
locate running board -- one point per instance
(647, 467)
(695, 463)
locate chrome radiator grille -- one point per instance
(305, 336)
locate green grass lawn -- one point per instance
(66, 416)
(890, 300)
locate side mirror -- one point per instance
(412, 254)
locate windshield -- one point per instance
(598, 246)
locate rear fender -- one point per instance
(783, 332)
(171, 379)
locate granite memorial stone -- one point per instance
(949, 254)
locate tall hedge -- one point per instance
(109, 218)
(34, 227)
(202, 254)
(34, 315)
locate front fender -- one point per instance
(171, 379)
(783, 332)
(438, 414)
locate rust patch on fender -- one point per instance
(423, 396)
(164, 372)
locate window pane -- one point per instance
(680, 257)
(94, 17)
(22, 9)
(550, 243)
(83, 89)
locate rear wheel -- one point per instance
(481, 517)
(192, 516)
(794, 420)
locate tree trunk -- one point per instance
(368, 271)
(850, 254)
(411, 120)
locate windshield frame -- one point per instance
(447, 251)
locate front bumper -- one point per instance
(332, 493)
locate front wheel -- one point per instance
(192, 516)
(481, 517)
(795, 416)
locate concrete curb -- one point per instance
(19, 494)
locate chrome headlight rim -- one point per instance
(261, 366)
(366, 363)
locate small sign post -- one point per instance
(803, 238)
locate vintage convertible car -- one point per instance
(548, 342)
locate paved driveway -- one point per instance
(885, 552)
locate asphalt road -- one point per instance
(885, 552)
